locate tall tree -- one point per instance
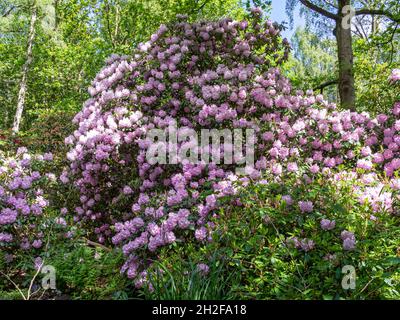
(29, 57)
(340, 12)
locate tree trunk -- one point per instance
(56, 17)
(345, 59)
(23, 86)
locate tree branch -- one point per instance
(326, 84)
(320, 10)
(378, 12)
(197, 10)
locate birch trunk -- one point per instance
(25, 70)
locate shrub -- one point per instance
(22, 202)
(207, 75)
(48, 132)
(160, 84)
(8, 141)
(283, 253)
(29, 227)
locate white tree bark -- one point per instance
(29, 57)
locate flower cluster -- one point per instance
(349, 240)
(22, 203)
(301, 244)
(395, 76)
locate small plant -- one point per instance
(185, 280)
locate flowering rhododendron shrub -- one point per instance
(206, 75)
(282, 252)
(23, 226)
(201, 76)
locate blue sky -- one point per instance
(279, 15)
